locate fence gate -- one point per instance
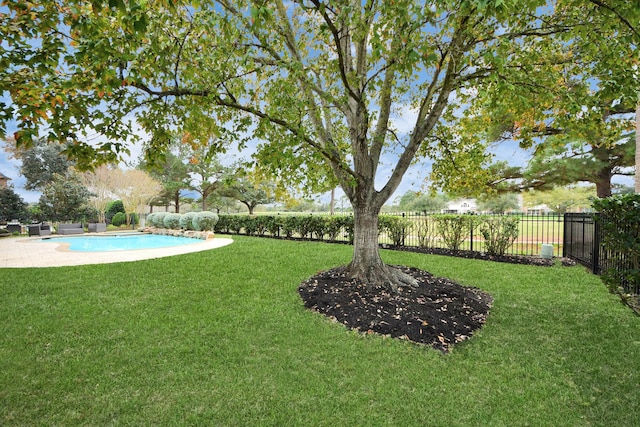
(582, 240)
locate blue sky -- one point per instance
(414, 179)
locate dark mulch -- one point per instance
(438, 313)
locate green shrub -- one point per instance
(205, 221)
(158, 219)
(347, 223)
(426, 232)
(396, 227)
(224, 224)
(273, 224)
(454, 229)
(119, 219)
(289, 225)
(499, 233)
(236, 223)
(186, 221)
(266, 223)
(134, 218)
(619, 217)
(149, 219)
(317, 225)
(249, 223)
(172, 221)
(333, 227)
(112, 209)
(304, 225)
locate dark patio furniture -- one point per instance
(74, 228)
(98, 227)
(14, 228)
(39, 230)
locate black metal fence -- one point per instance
(533, 232)
(584, 242)
(421, 231)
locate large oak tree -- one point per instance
(298, 75)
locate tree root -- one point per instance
(383, 276)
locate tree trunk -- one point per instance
(637, 176)
(603, 183)
(176, 201)
(367, 265)
(604, 173)
(333, 201)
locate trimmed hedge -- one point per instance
(172, 221)
(158, 219)
(396, 227)
(186, 221)
(205, 221)
(305, 226)
(499, 232)
(119, 219)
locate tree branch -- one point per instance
(620, 17)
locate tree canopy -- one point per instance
(12, 206)
(323, 85)
(571, 102)
(66, 199)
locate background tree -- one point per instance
(39, 162)
(173, 174)
(562, 199)
(135, 188)
(204, 170)
(12, 206)
(420, 202)
(222, 204)
(100, 182)
(559, 165)
(249, 190)
(571, 102)
(66, 199)
(113, 208)
(498, 204)
(295, 74)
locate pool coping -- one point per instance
(32, 252)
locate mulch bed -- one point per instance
(438, 313)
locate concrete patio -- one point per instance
(26, 252)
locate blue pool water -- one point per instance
(127, 242)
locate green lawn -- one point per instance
(221, 338)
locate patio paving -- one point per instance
(24, 252)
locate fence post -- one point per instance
(471, 233)
(565, 239)
(596, 244)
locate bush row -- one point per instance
(499, 232)
(197, 221)
(311, 226)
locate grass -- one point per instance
(221, 338)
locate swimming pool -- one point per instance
(127, 242)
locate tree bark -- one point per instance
(176, 200)
(603, 183)
(367, 265)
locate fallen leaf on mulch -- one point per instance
(438, 313)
